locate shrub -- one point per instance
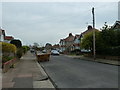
(17, 43)
(19, 53)
(6, 58)
(25, 49)
(7, 47)
(8, 51)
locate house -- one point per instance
(116, 25)
(56, 47)
(76, 43)
(4, 38)
(73, 42)
(67, 43)
(48, 47)
(89, 29)
(2, 35)
(8, 39)
(62, 45)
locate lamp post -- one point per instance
(94, 53)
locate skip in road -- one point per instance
(67, 72)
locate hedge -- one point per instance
(7, 47)
(8, 51)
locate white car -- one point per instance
(55, 52)
(44, 51)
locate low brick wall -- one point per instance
(8, 64)
(109, 57)
(116, 58)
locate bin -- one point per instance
(43, 57)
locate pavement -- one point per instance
(27, 73)
(105, 61)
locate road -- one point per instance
(67, 72)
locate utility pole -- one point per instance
(94, 53)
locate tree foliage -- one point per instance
(19, 52)
(87, 41)
(25, 49)
(17, 43)
(107, 41)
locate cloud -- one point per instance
(49, 22)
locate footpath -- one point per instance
(105, 61)
(27, 73)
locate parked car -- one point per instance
(84, 50)
(55, 52)
(32, 50)
(44, 51)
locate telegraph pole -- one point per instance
(94, 53)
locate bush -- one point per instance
(7, 47)
(8, 51)
(25, 49)
(76, 51)
(6, 58)
(19, 53)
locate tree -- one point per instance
(25, 49)
(87, 41)
(107, 41)
(17, 43)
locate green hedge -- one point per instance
(19, 52)
(7, 47)
(113, 51)
(25, 49)
(7, 50)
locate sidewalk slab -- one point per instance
(8, 85)
(27, 74)
(42, 84)
(23, 82)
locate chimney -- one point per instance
(70, 34)
(89, 27)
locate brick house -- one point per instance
(73, 42)
(76, 43)
(62, 45)
(66, 45)
(4, 38)
(116, 25)
(89, 29)
(8, 38)
(56, 47)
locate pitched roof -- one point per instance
(69, 38)
(61, 40)
(89, 30)
(2, 32)
(9, 38)
(116, 23)
(56, 46)
(77, 36)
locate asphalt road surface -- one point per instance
(67, 72)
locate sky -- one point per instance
(48, 22)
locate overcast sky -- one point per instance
(48, 22)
